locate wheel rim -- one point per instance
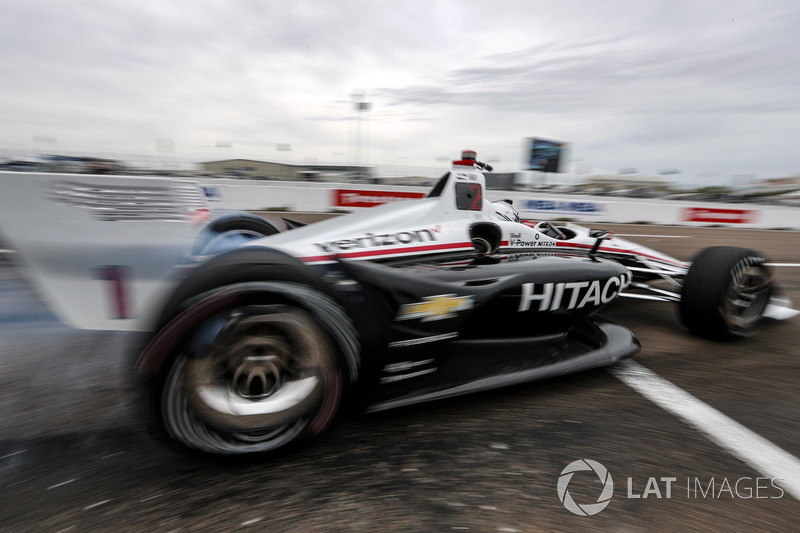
(250, 379)
(746, 298)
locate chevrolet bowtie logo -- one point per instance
(435, 307)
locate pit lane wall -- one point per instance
(321, 197)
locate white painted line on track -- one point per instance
(782, 264)
(744, 444)
(651, 235)
(678, 227)
(7, 251)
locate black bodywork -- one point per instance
(481, 323)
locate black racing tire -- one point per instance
(250, 356)
(248, 379)
(725, 293)
(230, 231)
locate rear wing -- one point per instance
(101, 250)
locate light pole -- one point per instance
(360, 105)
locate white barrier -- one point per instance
(653, 211)
(249, 195)
(295, 196)
(253, 195)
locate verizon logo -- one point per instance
(375, 240)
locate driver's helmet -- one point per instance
(504, 211)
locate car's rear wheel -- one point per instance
(248, 379)
(231, 231)
(725, 293)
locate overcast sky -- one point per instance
(711, 88)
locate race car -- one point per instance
(257, 336)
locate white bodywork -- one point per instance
(431, 225)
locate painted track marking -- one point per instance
(782, 264)
(744, 444)
(653, 235)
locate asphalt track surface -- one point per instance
(74, 455)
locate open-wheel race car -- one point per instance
(258, 335)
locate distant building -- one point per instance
(82, 164)
(613, 182)
(266, 170)
(503, 181)
(773, 185)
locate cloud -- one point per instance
(648, 85)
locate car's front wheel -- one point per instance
(725, 293)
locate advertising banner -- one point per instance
(366, 198)
(559, 207)
(719, 216)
